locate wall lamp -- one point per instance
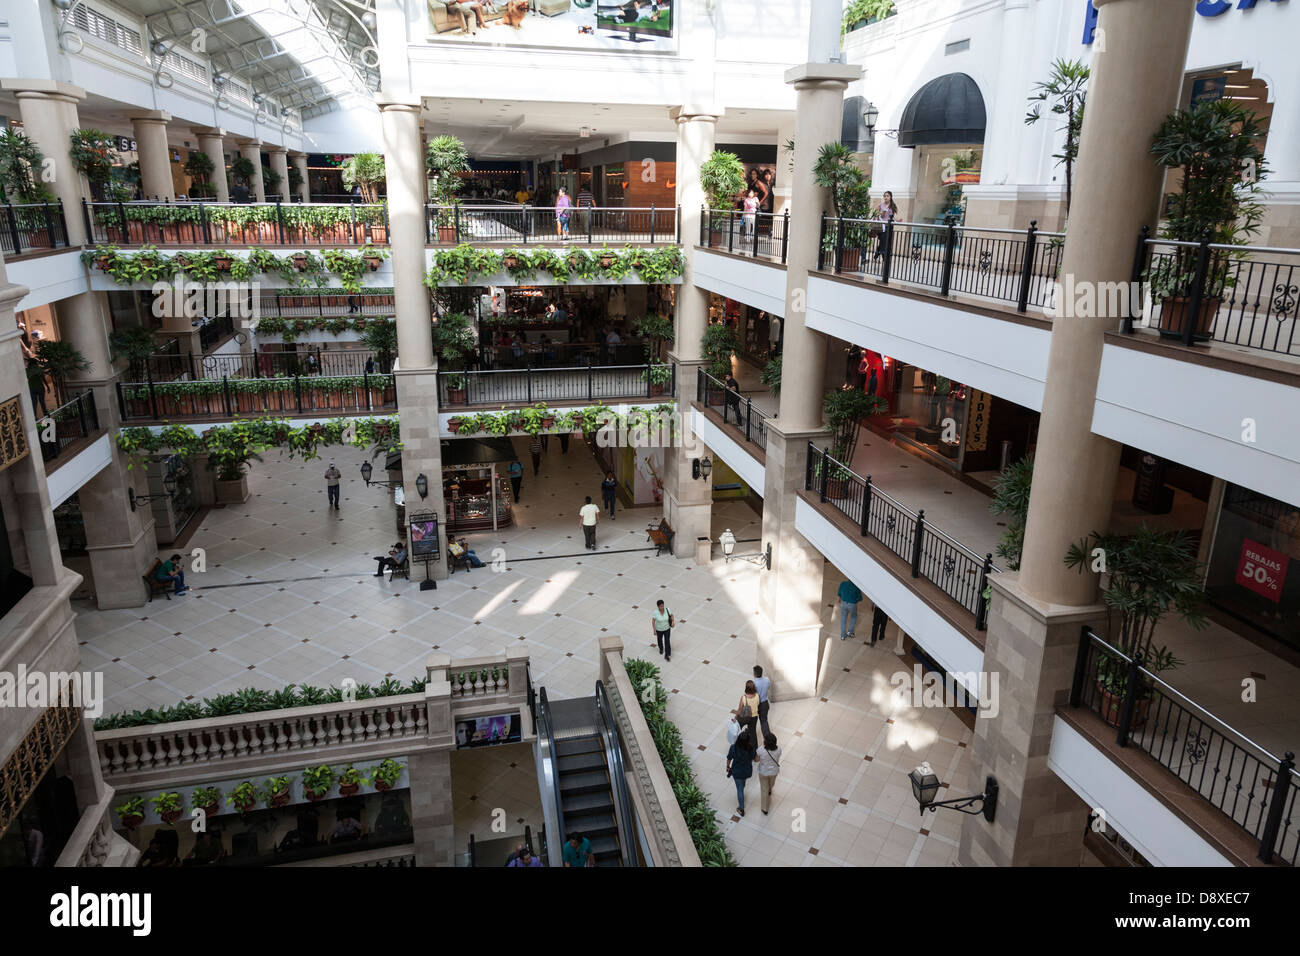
(701, 468)
(421, 485)
(169, 491)
(368, 469)
(869, 117)
(925, 785)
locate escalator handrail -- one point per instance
(617, 777)
(546, 732)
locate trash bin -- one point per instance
(703, 550)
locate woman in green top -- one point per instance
(661, 621)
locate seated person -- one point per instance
(171, 570)
(395, 559)
(347, 829)
(207, 849)
(473, 558)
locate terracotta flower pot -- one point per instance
(456, 396)
(171, 816)
(315, 797)
(132, 821)
(211, 810)
(245, 806)
(280, 799)
(347, 789)
(447, 235)
(606, 261)
(1174, 317)
(1111, 705)
(382, 785)
(372, 263)
(453, 425)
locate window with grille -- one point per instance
(105, 28)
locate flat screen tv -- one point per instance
(636, 20)
(488, 731)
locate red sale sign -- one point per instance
(1262, 569)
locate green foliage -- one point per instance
(243, 169)
(723, 177)
(59, 360)
(367, 171)
(276, 786)
(771, 376)
(20, 169)
(270, 179)
(717, 345)
(167, 802)
(132, 344)
(461, 264)
(318, 780)
(844, 411)
(453, 340)
(835, 170)
(1147, 575)
(1065, 91)
(204, 797)
(199, 166)
(656, 330)
(446, 158)
(295, 178)
(244, 796)
(389, 772)
(89, 151)
(130, 808)
(860, 12)
(350, 775)
(381, 337)
(1011, 498)
(700, 818)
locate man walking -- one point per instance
(516, 477)
(661, 621)
(588, 515)
(878, 622)
(608, 489)
(764, 687)
(849, 596)
(535, 449)
(332, 476)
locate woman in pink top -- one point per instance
(751, 212)
(562, 206)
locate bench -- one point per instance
(155, 586)
(661, 536)
(455, 560)
(402, 570)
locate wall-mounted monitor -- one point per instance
(488, 731)
(636, 20)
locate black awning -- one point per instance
(853, 127)
(947, 111)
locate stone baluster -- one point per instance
(173, 751)
(187, 750)
(385, 728)
(408, 720)
(281, 738)
(332, 728)
(241, 739)
(295, 738)
(226, 736)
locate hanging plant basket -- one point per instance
(300, 261)
(280, 799)
(606, 261)
(348, 789)
(382, 785)
(223, 263)
(314, 796)
(101, 263)
(132, 821)
(372, 262)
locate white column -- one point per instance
(150, 130)
(251, 150)
(404, 164)
(280, 164)
(212, 143)
(300, 164)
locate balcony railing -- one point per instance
(236, 224)
(227, 397)
(212, 331)
(956, 570)
(68, 424)
(735, 407)
(1252, 787)
(32, 227)
(1007, 265)
(592, 383)
(302, 305)
(327, 363)
(763, 236)
(1247, 296)
(494, 223)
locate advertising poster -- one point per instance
(633, 26)
(1262, 569)
(487, 731)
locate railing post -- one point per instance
(749, 415)
(524, 217)
(279, 222)
(352, 215)
(63, 223)
(838, 264)
(785, 233)
(672, 382)
(648, 392)
(916, 543)
(821, 244)
(455, 221)
(699, 384)
(297, 391)
(591, 384)
(1139, 264)
(13, 227)
(203, 223)
(90, 231)
(731, 231)
(864, 526)
(1130, 700)
(1027, 267)
(887, 240)
(153, 397)
(754, 238)
(1273, 824)
(49, 226)
(981, 602)
(1196, 295)
(826, 470)
(1080, 667)
(706, 220)
(384, 210)
(126, 229)
(652, 223)
(949, 249)
(225, 392)
(677, 224)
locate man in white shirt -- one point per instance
(588, 515)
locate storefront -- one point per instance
(760, 334)
(476, 484)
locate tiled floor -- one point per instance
(288, 597)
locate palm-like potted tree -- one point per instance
(850, 195)
(722, 177)
(199, 167)
(453, 342)
(59, 360)
(844, 411)
(20, 165)
(1145, 576)
(447, 159)
(1217, 146)
(364, 171)
(718, 344)
(89, 151)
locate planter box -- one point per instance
(1173, 317)
(232, 492)
(1111, 705)
(851, 260)
(447, 235)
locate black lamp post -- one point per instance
(925, 785)
(367, 470)
(169, 491)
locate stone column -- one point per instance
(251, 150)
(150, 130)
(1035, 617)
(49, 114)
(430, 776)
(688, 502)
(280, 164)
(300, 164)
(417, 380)
(212, 142)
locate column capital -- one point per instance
(695, 113)
(812, 75)
(207, 131)
(277, 149)
(151, 116)
(245, 142)
(35, 89)
(397, 103)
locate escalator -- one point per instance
(585, 792)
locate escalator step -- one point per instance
(578, 763)
(584, 782)
(595, 801)
(591, 825)
(605, 843)
(579, 745)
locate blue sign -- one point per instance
(1089, 24)
(1206, 8)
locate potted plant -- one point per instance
(350, 781)
(89, 151)
(771, 376)
(1146, 575)
(21, 162)
(386, 774)
(316, 781)
(1011, 498)
(454, 341)
(244, 797)
(658, 375)
(59, 360)
(206, 799)
(131, 812)
(373, 257)
(1217, 146)
(455, 382)
(168, 806)
(850, 193)
(461, 679)
(230, 450)
(446, 159)
(844, 411)
(722, 177)
(199, 167)
(364, 171)
(717, 346)
(276, 793)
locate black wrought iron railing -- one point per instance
(66, 425)
(539, 355)
(736, 408)
(1246, 296)
(331, 303)
(236, 224)
(213, 331)
(591, 383)
(328, 363)
(1248, 784)
(1007, 265)
(496, 223)
(762, 235)
(32, 227)
(943, 561)
(286, 395)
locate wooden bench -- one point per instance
(154, 585)
(661, 536)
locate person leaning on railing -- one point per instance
(886, 212)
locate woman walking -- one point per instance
(886, 212)
(740, 766)
(747, 711)
(661, 622)
(562, 207)
(769, 765)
